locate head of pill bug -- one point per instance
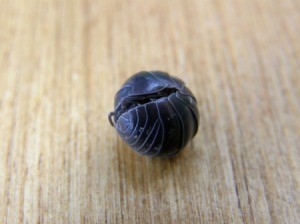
(155, 114)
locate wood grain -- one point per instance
(61, 63)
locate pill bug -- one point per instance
(155, 114)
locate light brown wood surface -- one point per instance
(61, 62)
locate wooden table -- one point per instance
(61, 62)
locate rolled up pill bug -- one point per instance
(155, 114)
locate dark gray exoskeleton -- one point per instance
(155, 113)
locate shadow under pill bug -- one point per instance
(155, 114)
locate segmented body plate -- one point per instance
(156, 114)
